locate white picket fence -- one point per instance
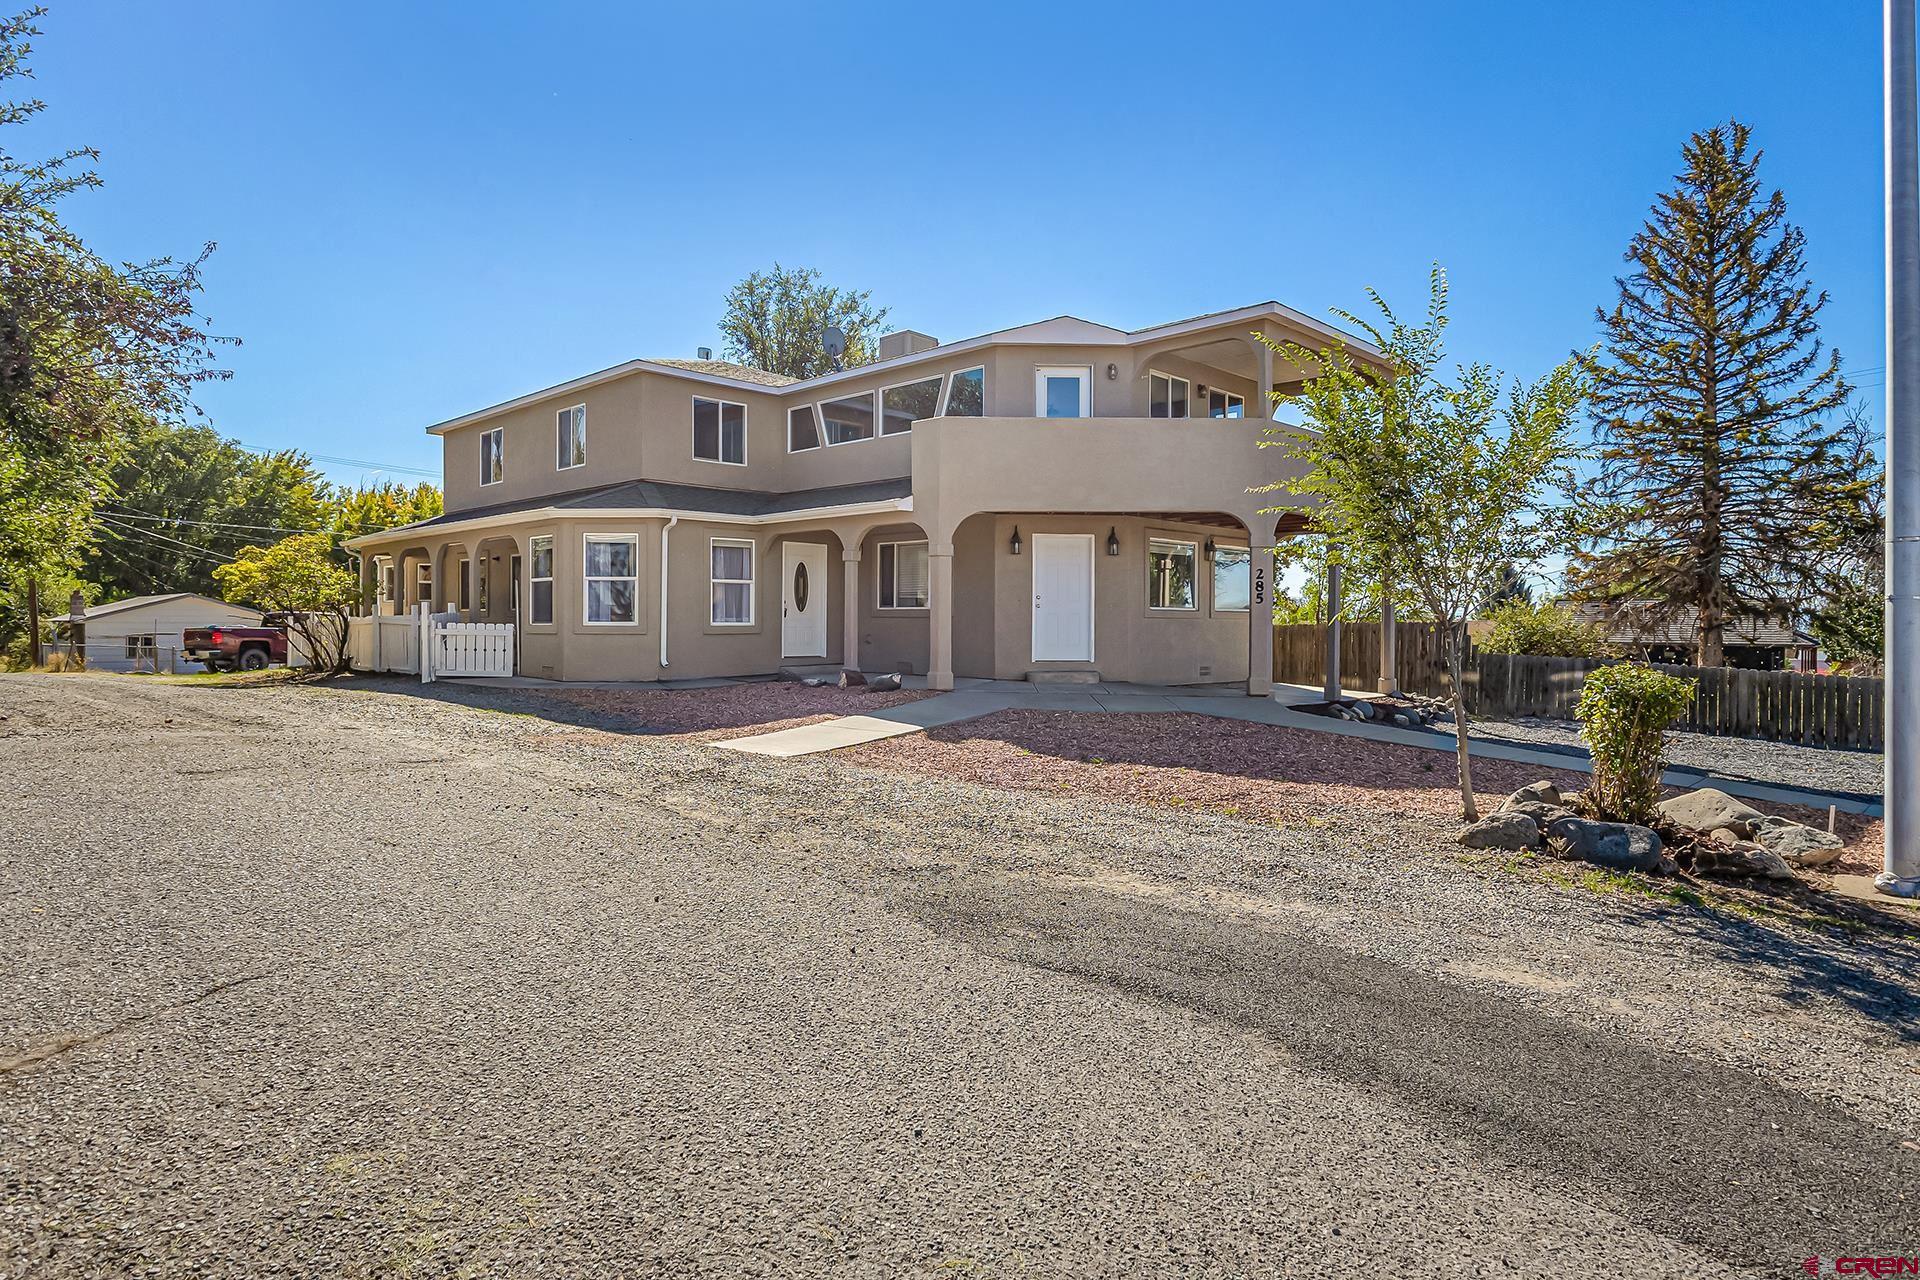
(430, 645)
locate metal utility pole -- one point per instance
(1902, 790)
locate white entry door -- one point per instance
(1063, 597)
(803, 600)
(1063, 391)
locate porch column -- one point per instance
(1266, 381)
(440, 578)
(365, 605)
(474, 569)
(1331, 690)
(940, 615)
(402, 588)
(1389, 641)
(1260, 620)
(850, 606)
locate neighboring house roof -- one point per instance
(1059, 330)
(1637, 623)
(135, 602)
(656, 497)
(728, 369)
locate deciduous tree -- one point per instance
(774, 319)
(300, 578)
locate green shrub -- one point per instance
(1624, 712)
(1544, 630)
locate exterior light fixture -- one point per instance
(1113, 373)
(1013, 543)
(1209, 546)
(1113, 542)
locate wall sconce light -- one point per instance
(1013, 543)
(1113, 373)
(1209, 547)
(1113, 542)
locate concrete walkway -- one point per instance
(972, 699)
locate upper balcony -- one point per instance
(1166, 466)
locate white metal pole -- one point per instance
(1902, 790)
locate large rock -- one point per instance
(1539, 810)
(1797, 844)
(1541, 792)
(1738, 858)
(1710, 810)
(1621, 846)
(884, 684)
(1513, 831)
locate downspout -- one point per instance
(665, 530)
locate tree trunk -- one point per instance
(1468, 811)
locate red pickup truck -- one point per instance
(231, 648)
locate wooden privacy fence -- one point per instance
(1782, 706)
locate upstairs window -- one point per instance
(570, 438)
(902, 406)
(803, 429)
(540, 578)
(848, 420)
(720, 431)
(903, 575)
(1167, 396)
(967, 394)
(493, 464)
(1225, 404)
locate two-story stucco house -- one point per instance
(1058, 497)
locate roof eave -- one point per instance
(538, 514)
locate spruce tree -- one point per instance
(1720, 482)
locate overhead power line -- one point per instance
(203, 524)
(344, 462)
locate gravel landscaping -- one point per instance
(1752, 759)
(361, 979)
(715, 714)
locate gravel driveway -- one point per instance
(359, 980)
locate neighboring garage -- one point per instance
(142, 633)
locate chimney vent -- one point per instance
(906, 342)
(705, 353)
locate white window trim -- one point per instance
(873, 404)
(586, 594)
(553, 565)
(946, 394)
(1213, 594)
(752, 580)
(1171, 377)
(570, 409)
(745, 419)
(1231, 397)
(1173, 608)
(879, 583)
(500, 452)
(1041, 372)
(819, 432)
(880, 403)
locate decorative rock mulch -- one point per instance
(729, 711)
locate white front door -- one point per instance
(1063, 597)
(1063, 391)
(803, 600)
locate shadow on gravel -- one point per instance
(1724, 1161)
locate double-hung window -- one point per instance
(906, 404)
(720, 431)
(1225, 404)
(903, 575)
(540, 578)
(849, 419)
(1170, 574)
(1232, 579)
(967, 394)
(570, 438)
(610, 571)
(732, 574)
(1167, 396)
(493, 446)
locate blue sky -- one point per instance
(422, 209)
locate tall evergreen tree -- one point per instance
(1720, 482)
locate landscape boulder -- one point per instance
(1542, 792)
(1710, 810)
(1797, 844)
(1728, 855)
(884, 684)
(1619, 846)
(1513, 831)
(852, 680)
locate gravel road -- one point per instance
(373, 979)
